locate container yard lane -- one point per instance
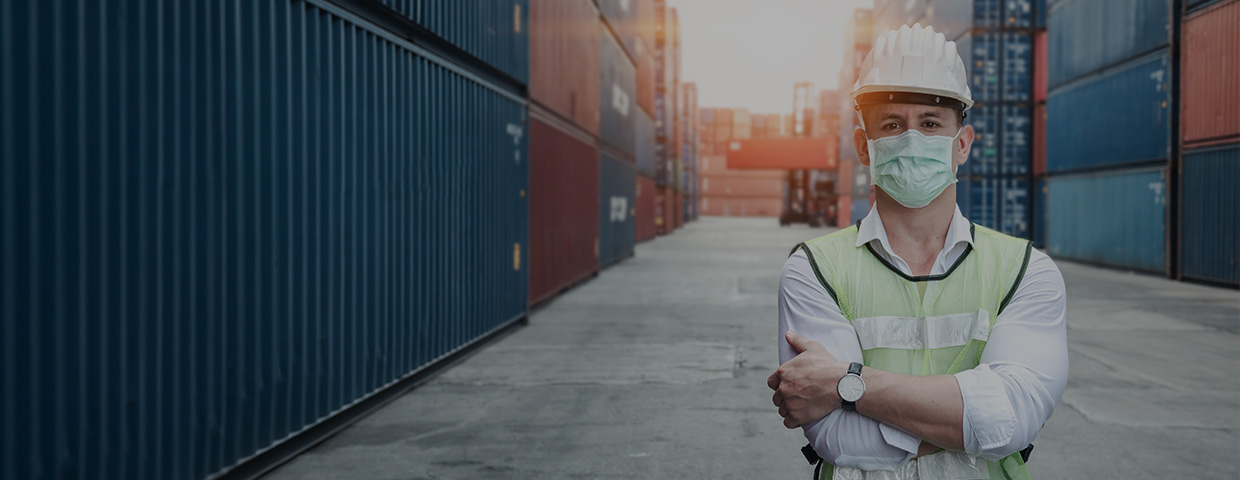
(656, 369)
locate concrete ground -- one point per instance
(656, 369)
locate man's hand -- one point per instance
(805, 387)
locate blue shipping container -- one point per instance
(999, 65)
(1039, 213)
(1122, 117)
(1115, 218)
(1085, 36)
(645, 144)
(621, 18)
(1001, 143)
(617, 84)
(1209, 231)
(224, 223)
(495, 31)
(617, 205)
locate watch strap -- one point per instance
(854, 368)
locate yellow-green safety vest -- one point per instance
(939, 329)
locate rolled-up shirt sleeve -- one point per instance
(842, 438)
(1023, 370)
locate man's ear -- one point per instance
(859, 144)
(963, 145)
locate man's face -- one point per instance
(890, 119)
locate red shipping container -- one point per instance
(664, 222)
(563, 206)
(1210, 76)
(564, 59)
(1039, 140)
(645, 78)
(844, 186)
(645, 219)
(645, 13)
(741, 187)
(678, 209)
(1039, 66)
(783, 153)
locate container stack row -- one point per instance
(231, 228)
(737, 192)
(672, 105)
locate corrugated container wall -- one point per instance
(1210, 79)
(617, 206)
(644, 220)
(1084, 223)
(217, 234)
(494, 31)
(1134, 127)
(644, 59)
(563, 212)
(621, 17)
(1210, 205)
(564, 59)
(646, 149)
(617, 86)
(1086, 36)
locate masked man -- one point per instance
(917, 344)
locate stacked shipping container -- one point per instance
(732, 192)
(853, 192)
(231, 227)
(1209, 234)
(565, 110)
(1109, 131)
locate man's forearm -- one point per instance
(930, 407)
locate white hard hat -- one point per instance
(913, 65)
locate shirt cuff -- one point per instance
(989, 420)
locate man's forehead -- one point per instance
(906, 110)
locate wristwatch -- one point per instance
(851, 387)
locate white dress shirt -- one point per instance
(1007, 398)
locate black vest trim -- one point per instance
(1019, 277)
(817, 273)
(924, 278)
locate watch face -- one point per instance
(851, 388)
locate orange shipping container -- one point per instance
(1210, 76)
(564, 59)
(645, 77)
(741, 187)
(784, 153)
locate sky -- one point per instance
(749, 53)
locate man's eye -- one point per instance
(892, 126)
(930, 125)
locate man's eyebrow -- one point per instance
(889, 116)
(931, 113)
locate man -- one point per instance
(916, 344)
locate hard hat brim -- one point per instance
(945, 96)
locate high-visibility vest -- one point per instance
(937, 328)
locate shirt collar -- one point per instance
(872, 229)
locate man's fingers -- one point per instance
(773, 380)
(777, 398)
(789, 422)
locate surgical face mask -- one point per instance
(911, 167)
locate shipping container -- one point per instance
(1039, 66)
(741, 207)
(617, 184)
(954, 18)
(620, 16)
(496, 32)
(617, 86)
(678, 207)
(564, 223)
(664, 222)
(645, 21)
(564, 59)
(999, 65)
(1209, 207)
(1198, 5)
(743, 187)
(1039, 213)
(1087, 36)
(231, 227)
(645, 145)
(1210, 76)
(783, 153)
(1084, 221)
(1122, 117)
(1038, 148)
(644, 220)
(644, 58)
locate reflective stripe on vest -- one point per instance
(941, 332)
